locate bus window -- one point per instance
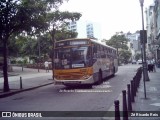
(94, 49)
(79, 56)
(62, 58)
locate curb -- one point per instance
(3, 95)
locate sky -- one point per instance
(112, 15)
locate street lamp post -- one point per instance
(145, 72)
(39, 54)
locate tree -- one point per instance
(124, 56)
(57, 22)
(17, 16)
(22, 45)
(120, 43)
(29, 46)
(138, 56)
(65, 34)
(60, 19)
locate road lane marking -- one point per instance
(156, 104)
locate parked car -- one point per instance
(139, 61)
(134, 62)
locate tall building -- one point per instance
(79, 27)
(89, 30)
(93, 30)
(150, 16)
(134, 43)
(85, 29)
(153, 30)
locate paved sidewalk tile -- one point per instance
(150, 104)
(31, 78)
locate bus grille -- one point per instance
(70, 76)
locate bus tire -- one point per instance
(114, 71)
(88, 86)
(100, 79)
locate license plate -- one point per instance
(72, 82)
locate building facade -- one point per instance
(153, 30)
(85, 29)
(79, 27)
(134, 43)
(89, 30)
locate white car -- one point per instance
(139, 61)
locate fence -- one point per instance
(128, 97)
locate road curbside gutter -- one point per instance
(7, 94)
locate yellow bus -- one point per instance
(83, 61)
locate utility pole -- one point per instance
(143, 42)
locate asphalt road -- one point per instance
(60, 98)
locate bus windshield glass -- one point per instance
(74, 57)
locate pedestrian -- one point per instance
(46, 64)
(154, 65)
(150, 67)
(158, 63)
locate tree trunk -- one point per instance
(118, 56)
(5, 36)
(5, 68)
(53, 42)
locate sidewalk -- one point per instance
(31, 79)
(151, 103)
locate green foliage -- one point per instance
(25, 61)
(24, 16)
(65, 34)
(58, 21)
(13, 61)
(21, 46)
(124, 56)
(33, 17)
(120, 43)
(138, 56)
(19, 62)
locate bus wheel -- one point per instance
(99, 78)
(113, 71)
(87, 86)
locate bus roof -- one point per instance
(73, 39)
(92, 40)
(98, 42)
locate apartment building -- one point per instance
(89, 30)
(85, 29)
(134, 43)
(79, 27)
(153, 30)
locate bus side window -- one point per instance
(89, 53)
(103, 53)
(94, 51)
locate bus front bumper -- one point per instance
(78, 82)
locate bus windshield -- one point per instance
(75, 57)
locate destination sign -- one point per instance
(71, 43)
(78, 42)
